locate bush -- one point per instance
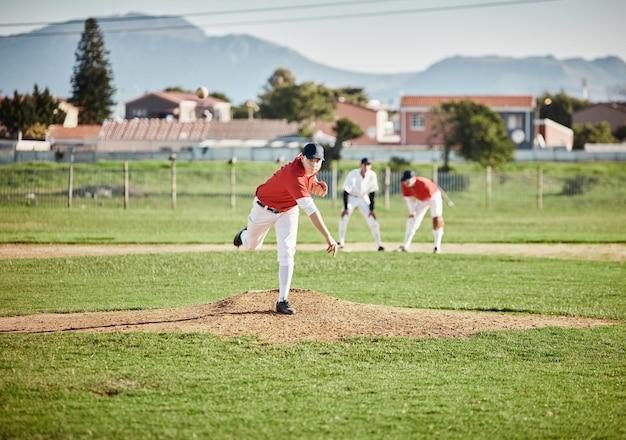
(577, 185)
(399, 164)
(599, 133)
(620, 133)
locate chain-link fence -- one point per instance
(168, 186)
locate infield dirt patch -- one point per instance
(319, 318)
(566, 251)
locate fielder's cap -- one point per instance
(366, 161)
(313, 151)
(408, 174)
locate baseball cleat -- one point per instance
(237, 240)
(285, 308)
(381, 249)
(340, 245)
(401, 249)
(436, 250)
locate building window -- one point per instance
(514, 122)
(139, 113)
(417, 122)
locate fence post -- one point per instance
(70, 185)
(435, 174)
(125, 184)
(173, 159)
(233, 183)
(334, 182)
(540, 188)
(488, 186)
(387, 186)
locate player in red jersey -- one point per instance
(421, 194)
(277, 203)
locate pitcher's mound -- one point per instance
(319, 317)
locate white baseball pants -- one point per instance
(260, 221)
(364, 207)
(419, 208)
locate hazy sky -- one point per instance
(382, 43)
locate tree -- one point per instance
(442, 132)
(277, 100)
(478, 133)
(92, 88)
(355, 95)
(620, 133)
(281, 77)
(246, 110)
(21, 112)
(36, 131)
(345, 130)
(46, 107)
(313, 101)
(560, 107)
(599, 133)
(177, 89)
(219, 95)
(284, 99)
(17, 113)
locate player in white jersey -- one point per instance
(359, 191)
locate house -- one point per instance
(551, 134)
(185, 107)
(137, 135)
(612, 112)
(374, 122)
(416, 118)
(82, 137)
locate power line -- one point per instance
(201, 14)
(298, 19)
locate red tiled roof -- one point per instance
(488, 100)
(162, 129)
(346, 108)
(177, 97)
(57, 132)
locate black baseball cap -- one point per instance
(408, 174)
(365, 161)
(313, 151)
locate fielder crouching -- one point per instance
(420, 195)
(276, 203)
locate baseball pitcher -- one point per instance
(277, 202)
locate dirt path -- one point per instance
(319, 318)
(598, 252)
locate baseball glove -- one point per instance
(319, 189)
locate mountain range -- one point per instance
(239, 65)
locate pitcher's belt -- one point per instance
(275, 211)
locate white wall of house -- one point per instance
(221, 111)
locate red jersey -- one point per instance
(423, 189)
(287, 185)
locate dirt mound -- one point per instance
(319, 317)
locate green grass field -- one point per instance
(208, 224)
(584, 288)
(519, 384)
(539, 383)
(203, 214)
